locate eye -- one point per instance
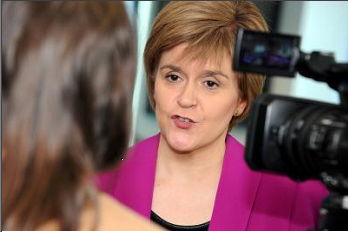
(211, 84)
(172, 77)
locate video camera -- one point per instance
(302, 139)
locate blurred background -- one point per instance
(322, 25)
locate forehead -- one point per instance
(184, 54)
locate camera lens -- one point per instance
(315, 139)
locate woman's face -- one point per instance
(195, 99)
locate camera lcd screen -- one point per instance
(266, 53)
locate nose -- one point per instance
(187, 98)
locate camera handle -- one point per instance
(323, 67)
(339, 76)
(334, 208)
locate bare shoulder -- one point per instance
(115, 216)
(111, 216)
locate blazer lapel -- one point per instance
(236, 190)
(135, 186)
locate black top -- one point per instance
(170, 226)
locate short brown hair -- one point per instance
(67, 81)
(210, 28)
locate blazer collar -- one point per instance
(236, 190)
(136, 185)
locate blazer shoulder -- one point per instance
(306, 208)
(107, 181)
(232, 144)
(148, 144)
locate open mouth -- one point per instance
(183, 119)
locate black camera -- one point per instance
(299, 138)
(302, 139)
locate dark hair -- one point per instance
(67, 83)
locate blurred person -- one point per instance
(67, 82)
(192, 174)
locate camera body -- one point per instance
(300, 138)
(296, 137)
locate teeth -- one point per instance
(185, 120)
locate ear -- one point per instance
(241, 106)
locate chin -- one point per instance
(181, 144)
(181, 150)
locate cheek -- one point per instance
(162, 97)
(222, 110)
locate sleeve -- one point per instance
(107, 181)
(306, 208)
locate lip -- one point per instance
(183, 125)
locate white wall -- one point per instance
(144, 125)
(323, 26)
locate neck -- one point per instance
(196, 163)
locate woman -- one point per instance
(192, 175)
(67, 80)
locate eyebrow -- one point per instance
(215, 73)
(206, 72)
(172, 67)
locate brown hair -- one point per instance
(210, 28)
(67, 82)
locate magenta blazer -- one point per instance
(245, 199)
